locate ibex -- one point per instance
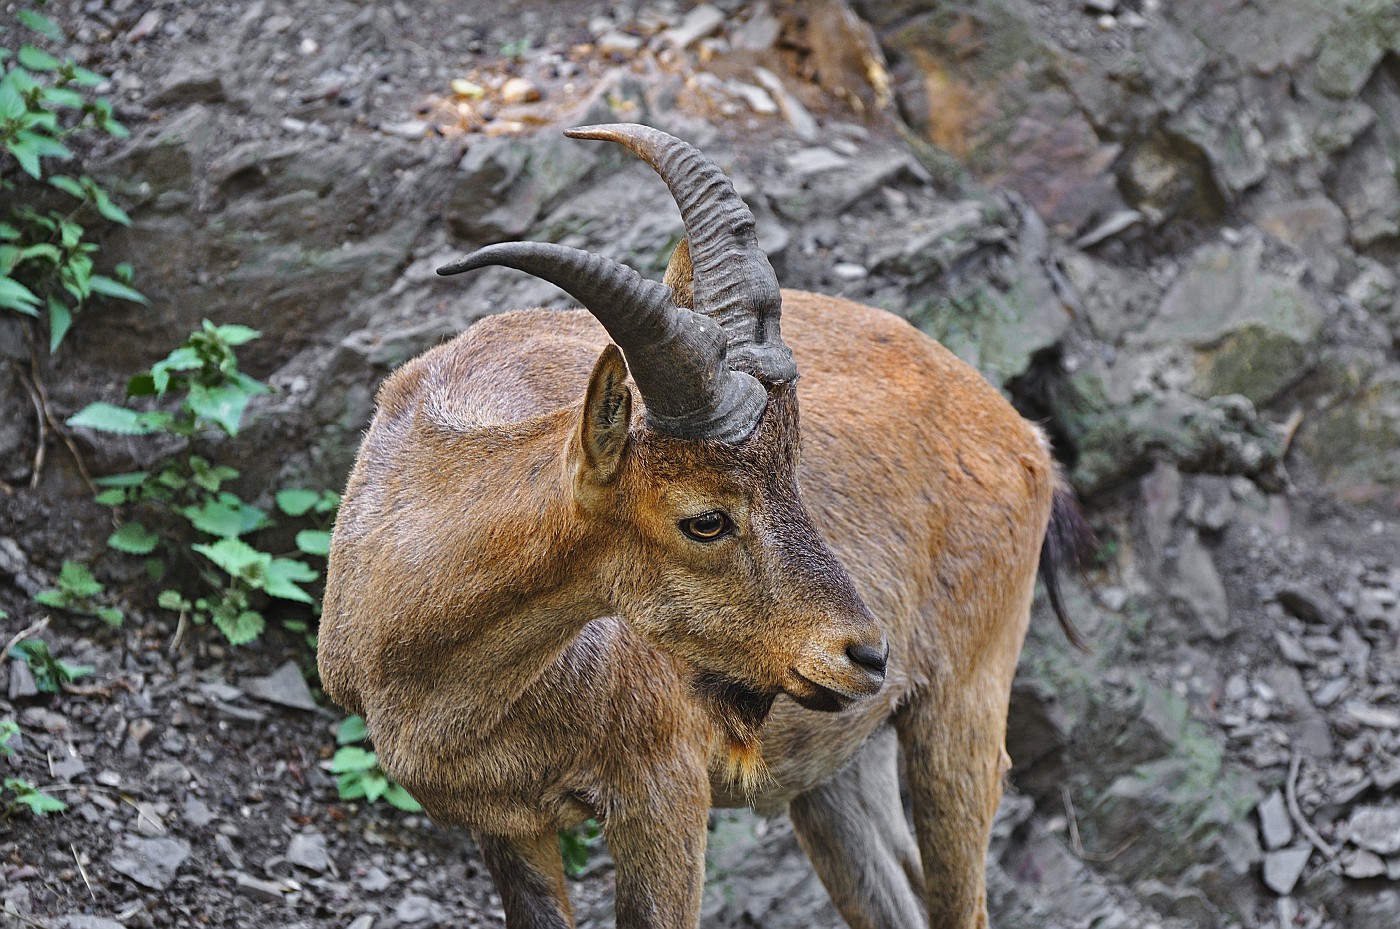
(552, 602)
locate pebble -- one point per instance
(151, 863)
(1360, 864)
(816, 160)
(700, 22)
(614, 42)
(1372, 716)
(1101, 6)
(257, 888)
(308, 850)
(849, 271)
(519, 90)
(1275, 827)
(1330, 692)
(1376, 828)
(409, 129)
(375, 880)
(1308, 602)
(365, 921)
(1282, 869)
(284, 687)
(415, 908)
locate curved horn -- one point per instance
(677, 357)
(734, 283)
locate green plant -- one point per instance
(24, 793)
(46, 264)
(184, 509)
(78, 592)
(576, 846)
(358, 772)
(50, 674)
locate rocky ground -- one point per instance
(1169, 231)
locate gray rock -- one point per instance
(1275, 826)
(197, 812)
(187, 85)
(1359, 864)
(1292, 650)
(699, 22)
(1309, 603)
(375, 881)
(284, 687)
(615, 42)
(812, 161)
(151, 863)
(1373, 716)
(259, 889)
(1330, 692)
(1197, 592)
(22, 684)
(365, 921)
(1315, 226)
(1283, 867)
(87, 922)
(415, 908)
(308, 850)
(1376, 828)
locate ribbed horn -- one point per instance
(677, 357)
(734, 283)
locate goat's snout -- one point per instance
(870, 658)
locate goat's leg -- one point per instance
(660, 854)
(853, 829)
(529, 875)
(955, 758)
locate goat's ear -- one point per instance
(607, 415)
(680, 276)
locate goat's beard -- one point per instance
(738, 712)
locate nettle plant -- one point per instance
(185, 511)
(46, 259)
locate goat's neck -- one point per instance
(523, 588)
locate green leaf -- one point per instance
(282, 577)
(130, 479)
(107, 208)
(60, 319)
(71, 672)
(238, 558)
(134, 539)
(114, 496)
(40, 24)
(232, 333)
(36, 59)
(374, 783)
(51, 598)
(9, 232)
(402, 799)
(296, 501)
(26, 155)
(26, 795)
(227, 516)
(15, 296)
(352, 760)
(86, 78)
(64, 97)
(44, 146)
(69, 186)
(242, 628)
(172, 600)
(352, 729)
(314, 542)
(108, 287)
(109, 615)
(77, 581)
(105, 417)
(222, 406)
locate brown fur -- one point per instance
(508, 507)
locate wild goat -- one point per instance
(550, 606)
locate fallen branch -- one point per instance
(23, 634)
(1290, 793)
(1072, 818)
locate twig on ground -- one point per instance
(1072, 818)
(1290, 793)
(36, 468)
(81, 870)
(23, 634)
(1290, 430)
(40, 397)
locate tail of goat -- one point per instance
(1069, 541)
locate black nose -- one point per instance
(870, 658)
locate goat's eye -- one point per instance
(707, 526)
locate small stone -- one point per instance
(1107, 22)
(519, 90)
(308, 850)
(38, 717)
(197, 812)
(285, 687)
(362, 922)
(816, 160)
(22, 685)
(87, 922)
(1309, 603)
(408, 129)
(469, 89)
(151, 863)
(1118, 222)
(1372, 716)
(1293, 650)
(1360, 864)
(849, 271)
(700, 22)
(65, 769)
(1376, 828)
(415, 908)
(1113, 598)
(375, 881)
(1275, 827)
(109, 778)
(1101, 6)
(1330, 692)
(1282, 869)
(259, 889)
(614, 42)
